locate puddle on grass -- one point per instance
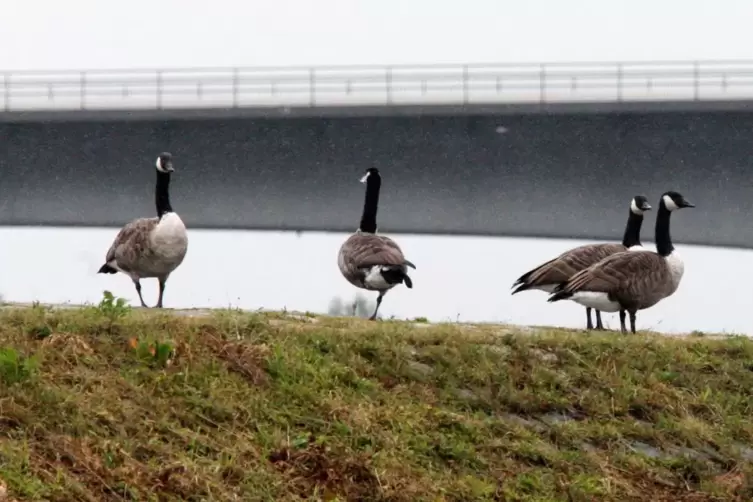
(547, 357)
(704, 454)
(646, 449)
(465, 394)
(517, 419)
(423, 369)
(556, 417)
(745, 452)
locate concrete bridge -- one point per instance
(376, 90)
(553, 150)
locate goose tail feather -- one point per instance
(558, 295)
(106, 269)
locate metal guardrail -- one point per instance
(376, 85)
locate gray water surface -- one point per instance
(457, 278)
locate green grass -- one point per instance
(108, 404)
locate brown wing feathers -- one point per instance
(562, 268)
(363, 251)
(130, 242)
(367, 250)
(618, 274)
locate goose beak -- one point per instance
(686, 203)
(646, 207)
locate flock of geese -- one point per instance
(608, 277)
(622, 278)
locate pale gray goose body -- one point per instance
(151, 247)
(370, 261)
(629, 282)
(549, 275)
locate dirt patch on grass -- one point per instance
(315, 468)
(248, 360)
(106, 475)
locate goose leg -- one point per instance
(379, 302)
(623, 329)
(162, 281)
(599, 325)
(137, 283)
(589, 324)
(632, 321)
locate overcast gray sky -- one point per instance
(49, 34)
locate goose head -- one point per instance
(639, 205)
(164, 163)
(674, 200)
(372, 171)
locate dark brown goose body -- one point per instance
(628, 281)
(633, 281)
(150, 247)
(558, 270)
(551, 274)
(362, 252)
(370, 261)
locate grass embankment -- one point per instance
(105, 404)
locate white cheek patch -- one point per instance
(159, 165)
(634, 207)
(669, 203)
(365, 177)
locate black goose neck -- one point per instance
(370, 204)
(662, 237)
(162, 194)
(632, 235)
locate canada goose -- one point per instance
(369, 261)
(151, 247)
(631, 281)
(554, 272)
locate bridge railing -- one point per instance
(376, 85)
